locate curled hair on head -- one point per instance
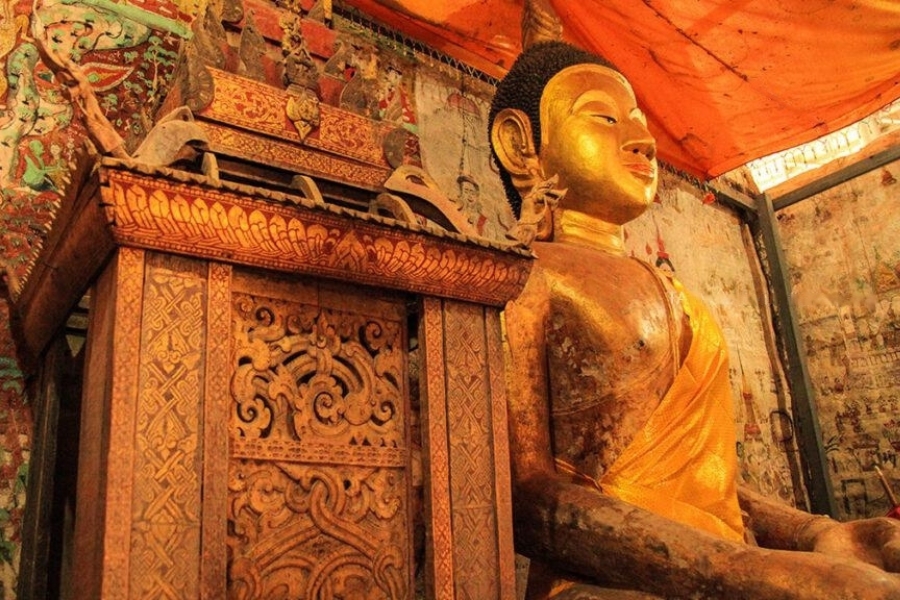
(522, 88)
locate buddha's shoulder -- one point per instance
(566, 270)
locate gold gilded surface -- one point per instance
(345, 133)
(250, 105)
(465, 439)
(691, 432)
(216, 403)
(129, 286)
(471, 461)
(436, 443)
(346, 408)
(236, 142)
(593, 115)
(188, 219)
(165, 526)
(264, 109)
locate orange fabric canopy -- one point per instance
(722, 81)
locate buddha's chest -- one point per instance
(613, 332)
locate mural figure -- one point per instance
(622, 433)
(67, 32)
(394, 104)
(361, 92)
(478, 213)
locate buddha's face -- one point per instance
(595, 138)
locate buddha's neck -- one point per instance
(577, 228)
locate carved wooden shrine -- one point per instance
(249, 424)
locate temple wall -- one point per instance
(705, 243)
(843, 251)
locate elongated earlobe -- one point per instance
(512, 141)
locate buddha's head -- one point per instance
(567, 113)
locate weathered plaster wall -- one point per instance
(129, 53)
(15, 439)
(843, 251)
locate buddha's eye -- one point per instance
(607, 118)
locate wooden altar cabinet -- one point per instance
(250, 425)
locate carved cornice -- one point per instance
(182, 213)
(150, 210)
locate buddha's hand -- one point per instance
(787, 575)
(873, 541)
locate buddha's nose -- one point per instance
(639, 140)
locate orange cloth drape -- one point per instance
(683, 463)
(722, 81)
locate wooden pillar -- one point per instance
(37, 530)
(141, 469)
(466, 452)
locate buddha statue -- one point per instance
(624, 466)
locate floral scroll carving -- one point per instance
(318, 486)
(314, 372)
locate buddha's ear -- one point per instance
(513, 142)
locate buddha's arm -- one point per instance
(776, 525)
(605, 539)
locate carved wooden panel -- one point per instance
(88, 560)
(139, 486)
(247, 430)
(261, 108)
(215, 433)
(231, 141)
(318, 500)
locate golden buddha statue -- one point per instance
(622, 434)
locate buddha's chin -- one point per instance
(634, 208)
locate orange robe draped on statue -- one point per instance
(683, 463)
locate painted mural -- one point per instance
(455, 148)
(843, 251)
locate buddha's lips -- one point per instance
(644, 170)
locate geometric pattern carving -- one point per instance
(290, 156)
(471, 458)
(319, 469)
(165, 536)
(465, 434)
(435, 442)
(217, 402)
